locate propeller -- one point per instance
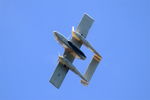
(69, 38)
(73, 29)
(58, 53)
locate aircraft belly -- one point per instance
(72, 50)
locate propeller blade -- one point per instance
(73, 29)
(58, 53)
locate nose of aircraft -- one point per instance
(56, 34)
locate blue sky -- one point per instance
(29, 52)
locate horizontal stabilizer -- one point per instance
(91, 69)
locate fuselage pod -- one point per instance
(68, 45)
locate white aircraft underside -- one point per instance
(72, 51)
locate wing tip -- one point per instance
(87, 15)
(52, 82)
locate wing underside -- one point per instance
(85, 25)
(59, 75)
(83, 28)
(61, 71)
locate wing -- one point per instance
(91, 69)
(85, 25)
(61, 71)
(83, 28)
(59, 75)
